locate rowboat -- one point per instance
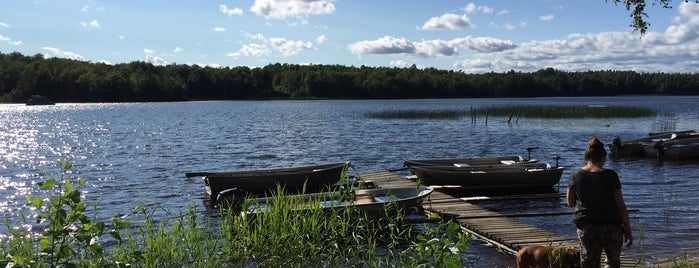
(673, 149)
(474, 161)
(258, 182)
(529, 175)
(670, 145)
(372, 202)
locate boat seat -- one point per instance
(507, 162)
(461, 165)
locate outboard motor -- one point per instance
(230, 199)
(617, 143)
(556, 157)
(660, 148)
(529, 152)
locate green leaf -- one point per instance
(67, 165)
(68, 185)
(45, 244)
(47, 184)
(37, 202)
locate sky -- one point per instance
(473, 37)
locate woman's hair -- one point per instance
(595, 151)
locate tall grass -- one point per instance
(571, 111)
(281, 236)
(531, 111)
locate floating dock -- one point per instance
(495, 228)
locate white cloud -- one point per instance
(121, 37)
(429, 48)
(321, 39)
(148, 51)
(447, 21)
(251, 50)
(399, 63)
(230, 11)
(57, 52)
(289, 47)
(4, 25)
(92, 24)
(281, 9)
(3, 39)
(384, 45)
(16, 43)
(483, 44)
(219, 29)
(434, 48)
(473, 8)
(155, 60)
(546, 17)
(178, 50)
(257, 36)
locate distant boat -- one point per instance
(39, 100)
(373, 202)
(260, 182)
(676, 145)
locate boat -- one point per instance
(673, 149)
(474, 161)
(371, 202)
(39, 100)
(672, 145)
(530, 175)
(259, 182)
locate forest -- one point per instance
(65, 80)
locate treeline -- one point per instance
(65, 80)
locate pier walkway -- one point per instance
(498, 229)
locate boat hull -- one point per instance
(371, 202)
(489, 177)
(260, 182)
(475, 161)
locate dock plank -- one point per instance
(496, 228)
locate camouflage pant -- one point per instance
(594, 239)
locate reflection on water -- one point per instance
(139, 152)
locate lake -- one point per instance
(139, 152)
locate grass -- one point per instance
(281, 236)
(530, 111)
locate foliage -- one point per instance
(282, 236)
(638, 12)
(65, 80)
(70, 238)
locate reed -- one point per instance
(281, 236)
(515, 112)
(574, 111)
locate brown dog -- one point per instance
(548, 257)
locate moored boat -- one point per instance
(372, 202)
(532, 175)
(258, 182)
(474, 161)
(39, 100)
(671, 145)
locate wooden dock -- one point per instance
(498, 229)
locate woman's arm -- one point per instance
(571, 199)
(621, 206)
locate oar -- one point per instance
(197, 174)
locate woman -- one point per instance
(600, 212)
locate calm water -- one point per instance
(138, 152)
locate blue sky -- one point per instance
(473, 37)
